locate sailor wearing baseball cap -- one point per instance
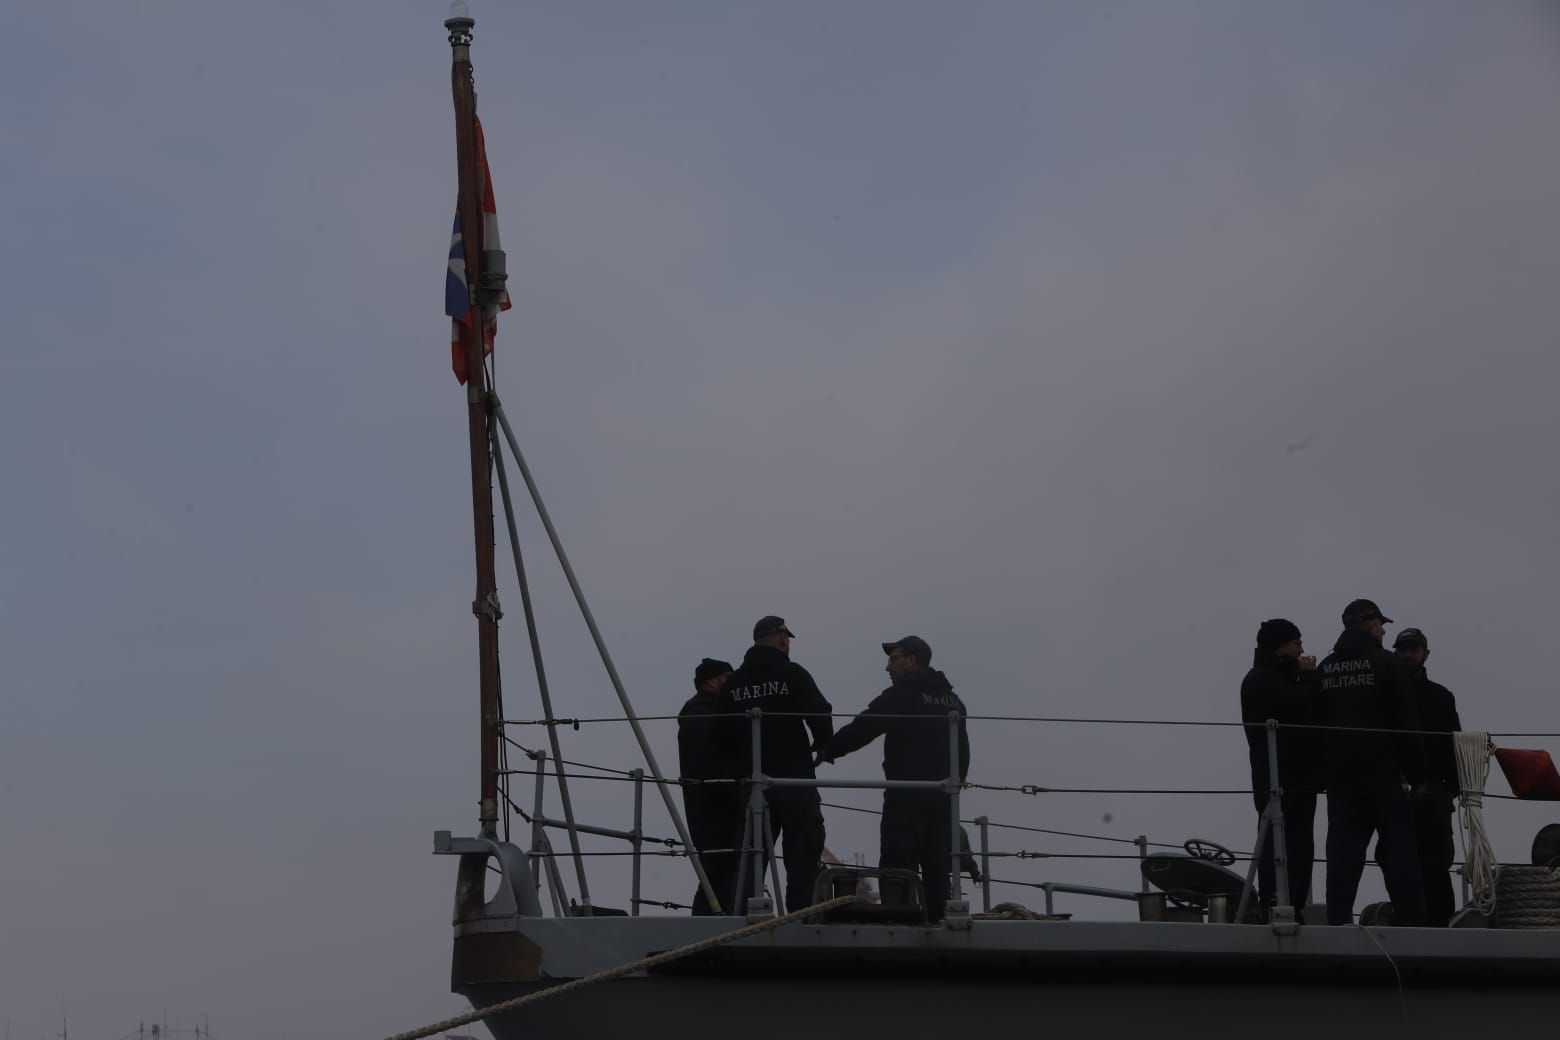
(1433, 807)
(792, 705)
(912, 717)
(1363, 611)
(770, 625)
(1364, 691)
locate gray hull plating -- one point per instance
(882, 1010)
(1103, 977)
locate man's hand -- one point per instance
(821, 755)
(1308, 663)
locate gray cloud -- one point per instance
(990, 324)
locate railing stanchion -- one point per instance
(778, 897)
(1283, 910)
(957, 907)
(756, 806)
(985, 864)
(536, 810)
(639, 834)
(1141, 841)
(744, 863)
(539, 843)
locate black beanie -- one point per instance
(708, 669)
(1276, 633)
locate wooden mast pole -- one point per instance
(485, 604)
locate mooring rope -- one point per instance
(1473, 769)
(630, 968)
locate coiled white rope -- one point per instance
(1473, 769)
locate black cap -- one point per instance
(1275, 633)
(768, 626)
(915, 646)
(708, 669)
(1411, 635)
(1362, 610)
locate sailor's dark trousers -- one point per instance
(715, 822)
(1352, 817)
(796, 828)
(916, 834)
(1436, 850)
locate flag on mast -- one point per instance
(457, 294)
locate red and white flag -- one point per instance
(457, 292)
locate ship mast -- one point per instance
(485, 604)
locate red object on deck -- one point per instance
(1531, 774)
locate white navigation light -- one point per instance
(460, 23)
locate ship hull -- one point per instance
(758, 1010)
(1104, 977)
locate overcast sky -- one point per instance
(1075, 338)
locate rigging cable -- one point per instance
(1210, 723)
(497, 411)
(536, 645)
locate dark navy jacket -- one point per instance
(1364, 686)
(771, 681)
(1276, 688)
(700, 752)
(913, 748)
(1438, 711)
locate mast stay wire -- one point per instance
(497, 411)
(536, 655)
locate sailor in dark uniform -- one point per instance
(793, 706)
(714, 809)
(1282, 684)
(1433, 806)
(912, 717)
(1370, 773)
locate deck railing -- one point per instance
(756, 850)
